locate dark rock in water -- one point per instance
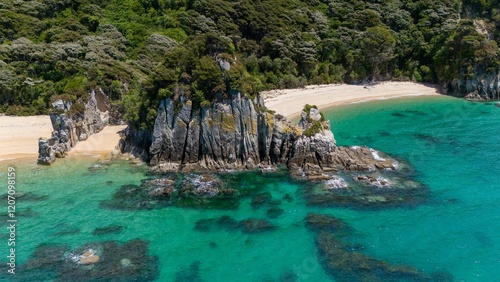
(287, 197)
(109, 182)
(202, 185)
(47, 257)
(213, 245)
(161, 188)
(323, 222)
(235, 133)
(289, 276)
(274, 212)
(264, 200)
(224, 222)
(427, 137)
(227, 223)
(257, 225)
(442, 277)
(192, 273)
(114, 262)
(483, 239)
(344, 262)
(110, 229)
(398, 114)
(28, 197)
(67, 232)
(374, 181)
(193, 191)
(19, 213)
(344, 265)
(204, 224)
(368, 191)
(385, 133)
(261, 200)
(417, 113)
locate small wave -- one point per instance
(336, 183)
(376, 156)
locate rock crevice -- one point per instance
(69, 129)
(237, 133)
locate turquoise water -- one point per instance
(451, 143)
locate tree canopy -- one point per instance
(139, 52)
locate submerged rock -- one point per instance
(192, 273)
(28, 197)
(229, 224)
(102, 261)
(110, 229)
(264, 200)
(274, 212)
(253, 225)
(202, 185)
(323, 222)
(236, 133)
(344, 262)
(88, 257)
(344, 265)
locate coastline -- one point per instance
(289, 102)
(101, 143)
(19, 135)
(19, 138)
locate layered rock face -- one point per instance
(238, 133)
(483, 86)
(70, 129)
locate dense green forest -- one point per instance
(141, 51)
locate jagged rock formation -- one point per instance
(238, 133)
(483, 86)
(70, 129)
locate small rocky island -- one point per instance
(239, 134)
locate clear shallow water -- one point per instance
(452, 144)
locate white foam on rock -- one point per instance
(376, 156)
(336, 183)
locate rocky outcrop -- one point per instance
(238, 133)
(69, 129)
(483, 86)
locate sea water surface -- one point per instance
(453, 145)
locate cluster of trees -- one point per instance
(142, 51)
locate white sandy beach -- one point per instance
(19, 138)
(289, 102)
(101, 143)
(19, 135)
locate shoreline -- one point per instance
(19, 138)
(19, 135)
(290, 102)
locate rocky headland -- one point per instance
(72, 127)
(482, 86)
(237, 133)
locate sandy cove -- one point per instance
(19, 135)
(101, 143)
(19, 138)
(289, 102)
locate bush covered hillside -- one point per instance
(141, 51)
